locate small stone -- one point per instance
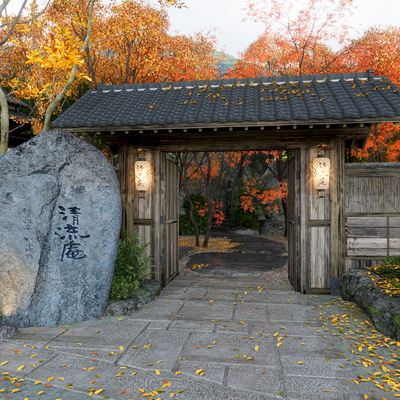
(60, 224)
(7, 331)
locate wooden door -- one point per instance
(171, 220)
(294, 221)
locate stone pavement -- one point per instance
(221, 334)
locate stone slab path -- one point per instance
(202, 339)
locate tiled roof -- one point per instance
(303, 98)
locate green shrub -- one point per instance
(130, 267)
(389, 269)
(245, 219)
(185, 225)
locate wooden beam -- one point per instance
(367, 170)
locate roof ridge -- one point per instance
(263, 79)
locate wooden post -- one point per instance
(337, 217)
(157, 275)
(127, 188)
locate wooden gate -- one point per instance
(294, 222)
(170, 198)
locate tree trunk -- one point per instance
(284, 207)
(5, 123)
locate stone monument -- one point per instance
(60, 213)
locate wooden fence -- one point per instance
(372, 211)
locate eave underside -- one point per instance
(216, 138)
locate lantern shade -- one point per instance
(142, 175)
(321, 172)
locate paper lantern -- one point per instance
(142, 175)
(321, 173)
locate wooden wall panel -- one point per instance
(373, 208)
(319, 257)
(372, 194)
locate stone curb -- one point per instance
(380, 307)
(148, 291)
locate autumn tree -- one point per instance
(7, 27)
(379, 49)
(202, 173)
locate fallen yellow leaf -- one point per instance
(198, 371)
(300, 362)
(256, 348)
(278, 344)
(157, 372)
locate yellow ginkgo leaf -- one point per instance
(299, 362)
(80, 344)
(157, 372)
(276, 334)
(256, 348)
(98, 391)
(38, 392)
(178, 372)
(279, 344)
(121, 348)
(19, 368)
(198, 371)
(133, 373)
(325, 390)
(37, 382)
(303, 344)
(240, 322)
(3, 363)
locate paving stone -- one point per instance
(205, 310)
(157, 350)
(187, 325)
(257, 379)
(213, 372)
(228, 326)
(292, 312)
(296, 329)
(318, 367)
(223, 351)
(251, 312)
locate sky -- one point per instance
(234, 36)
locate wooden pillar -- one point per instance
(302, 209)
(337, 217)
(157, 234)
(127, 187)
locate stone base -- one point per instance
(383, 309)
(148, 290)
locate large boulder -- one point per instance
(383, 309)
(60, 220)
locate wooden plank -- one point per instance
(313, 222)
(367, 232)
(148, 221)
(318, 291)
(366, 246)
(372, 214)
(369, 169)
(366, 222)
(319, 257)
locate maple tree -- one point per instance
(7, 28)
(378, 48)
(129, 44)
(203, 172)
